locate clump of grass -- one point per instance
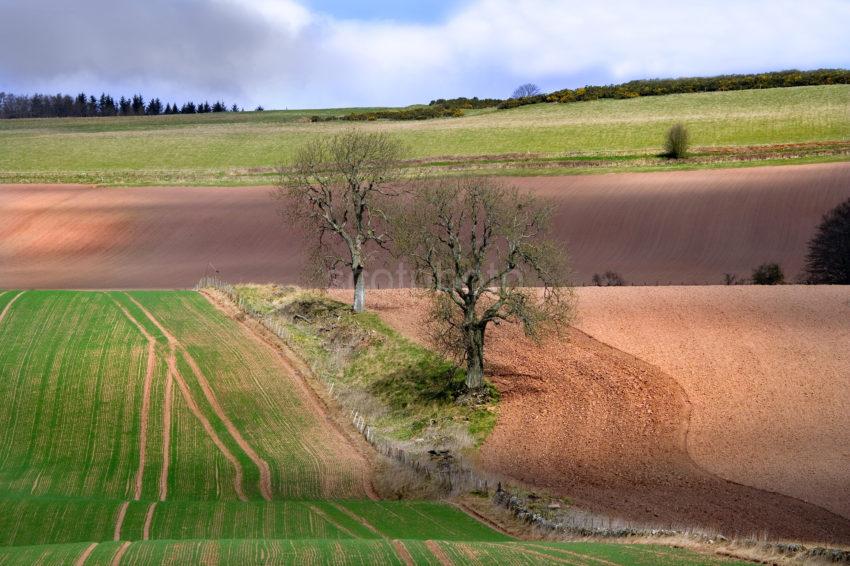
(677, 142)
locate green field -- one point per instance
(603, 135)
(147, 427)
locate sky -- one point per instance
(337, 53)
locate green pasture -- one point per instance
(245, 148)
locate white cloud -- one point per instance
(287, 15)
(279, 53)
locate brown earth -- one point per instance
(623, 437)
(766, 369)
(669, 227)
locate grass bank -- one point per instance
(409, 393)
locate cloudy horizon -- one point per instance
(330, 53)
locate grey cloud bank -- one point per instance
(279, 53)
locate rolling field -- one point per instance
(690, 227)
(244, 148)
(722, 407)
(147, 427)
(767, 372)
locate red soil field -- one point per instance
(741, 426)
(767, 371)
(671, 227)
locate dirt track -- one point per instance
(616, 433)
(690, 226)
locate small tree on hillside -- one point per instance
(335, 190)
(677, 142)
(477, 246)
(768, 274)
(608, 279)
(526, 90)
(828, 260)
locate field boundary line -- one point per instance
(9, 305)
(119, 522)
(262, 465)
(438, 553)
(403, 553)
(146, 401)
(357, 518)
(330, 520)
(119, 554)
(298, 372)
(85, 555)
(146, 530)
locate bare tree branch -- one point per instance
(336, 190)
(478, 247)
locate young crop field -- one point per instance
(727, 128)
(148, 427)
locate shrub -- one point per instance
(661, 87)
(608, 279)
(828, 260)
(466, 103)
(525, 101)
(768, 274)
(676, 142)
(412, 113)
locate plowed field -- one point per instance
(674, 227)
(717, 406)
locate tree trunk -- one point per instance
(474, 357)
(359, 290)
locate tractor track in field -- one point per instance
(166, 435)
(299, 373)
(163, 480)
(175, 345)
(146, 402)
(354, 516)
(561, 559)
(582, 556)
(207, 426)
(85, 555)
(119, 521)
(331, 521)
(119, 554)
(403, 553)
(174, 374)
(146, 529)
(9, 305)
(438, 553)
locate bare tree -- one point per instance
(335, 190)
(526, 90)
(475, 245)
